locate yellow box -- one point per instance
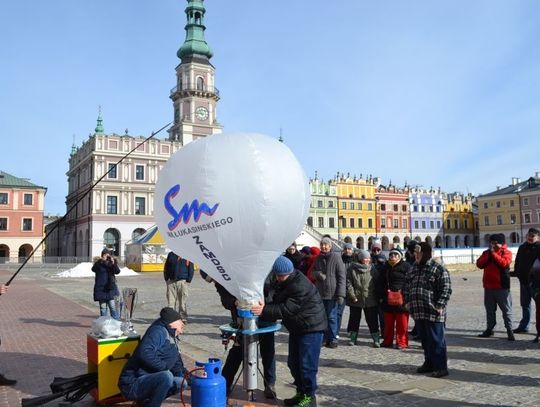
(107, 357)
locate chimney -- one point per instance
(514, 180)
(537, 175)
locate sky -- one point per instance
(429, 93)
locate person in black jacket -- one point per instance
(155, 371)
(525, 257)
(105, 288)
(178, 273)
(396, 317)
(294, 255)
(298, 304)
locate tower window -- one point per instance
(139, 172)
(200, 83)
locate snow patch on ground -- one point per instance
(85, 270)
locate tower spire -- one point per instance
(73, 147)
(195, 44)
(99, 127)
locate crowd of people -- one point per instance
(308, 290)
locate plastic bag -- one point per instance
(106, 327)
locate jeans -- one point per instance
(303, 360)
(525, 299)
(433, 342)
(151, 389)
(502, 298)
(108, 305)
(331, 308)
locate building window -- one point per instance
(360, 226)
(112, 171)
(416, 224)
(438, 224)
(423, 224)
(310, 221)
(140, 206)
(139, 172)
(331, 223)
(112, 205)
(431, 224)
(383, 223)
(486, 220)
(526, 218)
(351, 205)
(448, 224)
(383, 207)
(27, 224)
(3, 198)
(370, 206)
(28, 199)
(396, 223)
(498, 204)
(200, 83)
(319, 204)
(3, 223)
(511, 203)
(370, 223)
(351, 223)
(330, 204)
(359, 206)
(321, 222)
(499, 219)
(403, 208)
(396, 208)
(456, 224)
(344, 205)
(404, 223)
(525, 201)
(438, 208)
(415, 208)
(485, 205)
(466, 224)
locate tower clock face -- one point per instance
(201, 113)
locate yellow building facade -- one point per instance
(458, 220)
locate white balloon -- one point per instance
(232, 203)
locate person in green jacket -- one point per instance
(361, 295)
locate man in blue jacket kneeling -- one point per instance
(155, 370)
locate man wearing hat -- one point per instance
(496, 280)
(330, 279)
(155, 370)
(298, 304)
(527, 253)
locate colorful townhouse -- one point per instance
(323, 209)
(458, 220)
(21, 218)
(511, 210)
(427, 215)
(356, 209)
(392, 216)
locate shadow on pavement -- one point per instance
(53, 323)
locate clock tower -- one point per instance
(194, 97)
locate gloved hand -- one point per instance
(321, 277)
(340, 300)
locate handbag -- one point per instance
(394, 298)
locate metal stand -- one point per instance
(250, 334)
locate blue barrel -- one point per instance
(208, 389)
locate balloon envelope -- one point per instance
(232, 203)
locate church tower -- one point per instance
(194, 97)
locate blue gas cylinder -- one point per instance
(208, 387)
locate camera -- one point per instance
(109, 258)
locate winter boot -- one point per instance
(510, 334)
(353, 338)
(486, 334)
(535, 340)
(307, 401)
(376, 340)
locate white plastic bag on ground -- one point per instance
(106, 327)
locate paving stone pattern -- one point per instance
(44, 321)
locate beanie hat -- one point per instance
(363, 254)
(347, 246)
(315, 251)
(306, 250)
(533, 231)
(326, 240)
(497, 238)
(282, 266)
(376, 244)
(105, 251)
(169, 315)
(396, 251)
(412, 244)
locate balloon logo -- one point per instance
(232, 203)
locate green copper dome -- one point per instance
(195, 44)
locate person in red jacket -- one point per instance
(496, 265)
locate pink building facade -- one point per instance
(21, 218)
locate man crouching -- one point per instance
(155, 370)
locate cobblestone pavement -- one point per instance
(44, 321)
